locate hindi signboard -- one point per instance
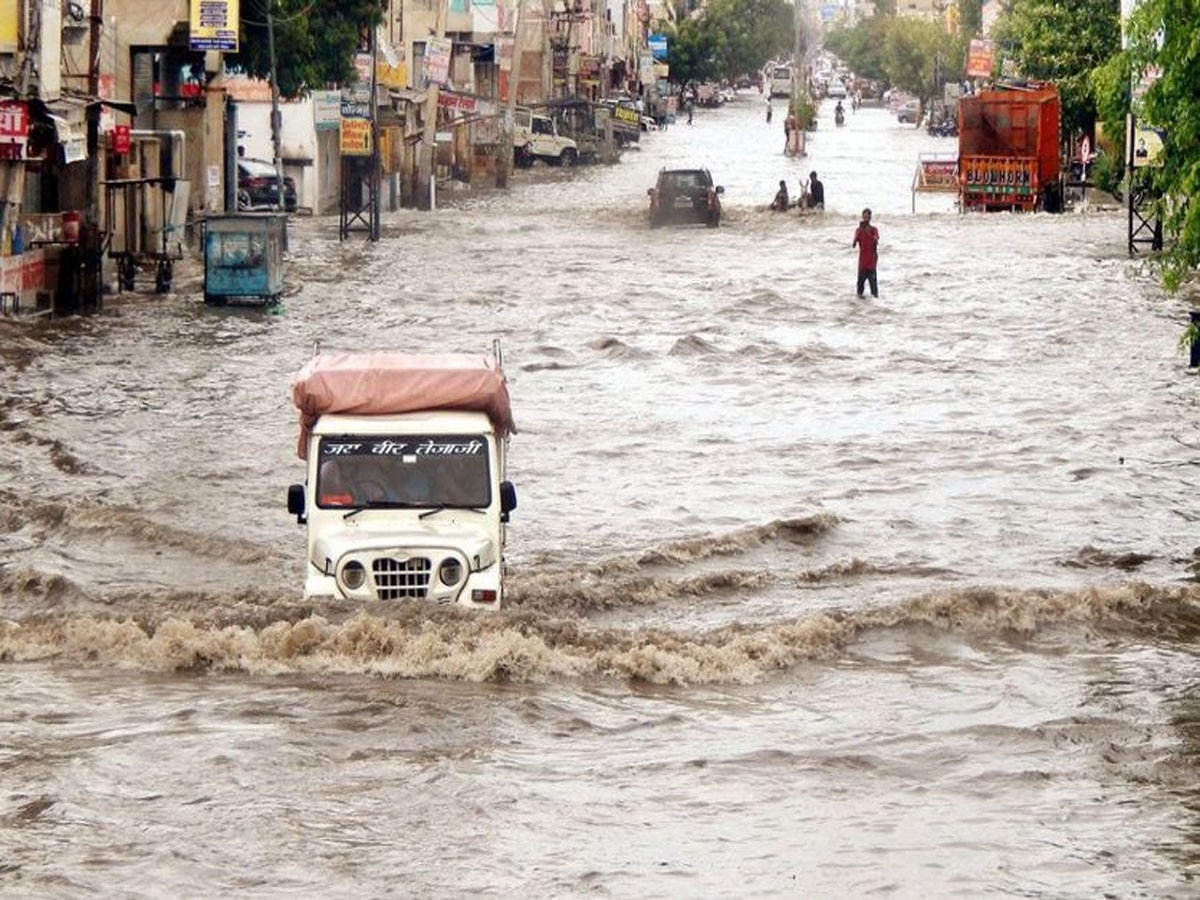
(214, 25)
(980, 56)
(356, 137)
(437, 60)
(327, 110)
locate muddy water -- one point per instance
(809, 595)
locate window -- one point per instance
(409, 471)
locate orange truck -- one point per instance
(1008, 149)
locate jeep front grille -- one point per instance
(399, 579)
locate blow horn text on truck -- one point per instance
(406, 497)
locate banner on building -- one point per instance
(356, 137)
(437, 60)
(980, 56)
(391, 68)
(214, 25)
(658, 46)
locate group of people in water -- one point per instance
(812, 195)
(866, 235)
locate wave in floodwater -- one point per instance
(547, 631)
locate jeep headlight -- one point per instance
(354, 575)
(450, 572)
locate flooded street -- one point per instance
(808, 595)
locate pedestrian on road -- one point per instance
(866, 238)
(769, 110)
(689, 111)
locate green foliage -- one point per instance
(910, 53)
(861, 47)
(692, 52)
(315, 40)
(731, 38)
(805, 111)
(1165, 34)
(970, 18)
(1062, 41)
(751, 32)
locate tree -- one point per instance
(970, 18)
(691, 52)
(750, 32)
(315, 40)
(911, 49)
(1163, 41)
(861, 47)
(1062, 41)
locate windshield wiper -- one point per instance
(442, 507)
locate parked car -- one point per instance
(909, 113)
(258, 186)
(536, 137)
(685, 196)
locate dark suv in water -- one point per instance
(258, 186)
(684, 196)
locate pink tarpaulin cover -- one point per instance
(372, 384)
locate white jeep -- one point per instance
(535, 137)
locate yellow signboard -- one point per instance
(356, 137)
(9, 17)
(214, 25)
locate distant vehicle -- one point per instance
(536, 137)
(909, 112)
(685, 196)
(836, 89)
(258, 186)
(781, 81)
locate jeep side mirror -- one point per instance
(649, 192)
(508, 499)
(295, 502)
(720, 188)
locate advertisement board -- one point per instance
(327, 110)
(355, 137)
(9, 32)
(980, 56)
(214, 25)
(437, 60)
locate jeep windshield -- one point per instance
(403, 472)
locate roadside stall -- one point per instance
(243, 257)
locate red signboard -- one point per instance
(980, 58)
(14, 122)
(451, 100)
(121, 142)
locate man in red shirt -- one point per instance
(866, 238)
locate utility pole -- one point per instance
(276, 116)
(90, 241)
(504, 159)
(373, 227)
(426, 177)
